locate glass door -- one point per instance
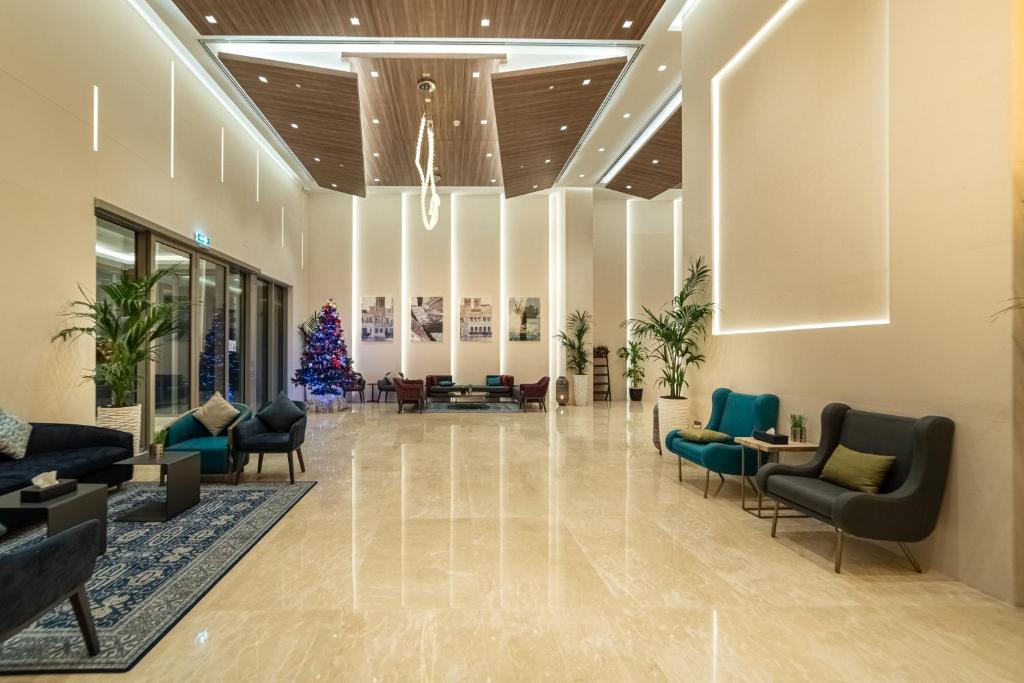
(262, 341)
(115, 258)
(172, 369)
(236, 336)
(210, 313)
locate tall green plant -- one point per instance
(674, 336)
(574, 340)
(634, 354)
(127, 326)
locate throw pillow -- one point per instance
(855, 470)
(494, 380)
(281, 413)
(14, 433)
(216, 414)
(704, 435)
(446, 383)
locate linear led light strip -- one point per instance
(188, 60)
(668, 109)
(716, 193)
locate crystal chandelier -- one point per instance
(430, 202)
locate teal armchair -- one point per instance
(215, 452)
(736, 415)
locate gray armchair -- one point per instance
(256, 436)
(906, 507)
(40, 577)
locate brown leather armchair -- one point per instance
(536, 393)
(408, 391)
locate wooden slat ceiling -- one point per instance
(531, 107)
(542, 19)
(323, 103)
(392, 98)
(642, 177)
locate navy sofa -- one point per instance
(81, 452)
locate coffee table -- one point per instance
(88, 501)
(182, 470)
(765, 450)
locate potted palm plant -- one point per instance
(127, 326)
(634, 354)
(577, 357)
(674, 337)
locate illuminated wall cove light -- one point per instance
(716, 83)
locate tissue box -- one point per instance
(34, 494)
(776, 439)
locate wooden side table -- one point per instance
(765, 450)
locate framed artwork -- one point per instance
(377, 319)
(475, 319)
(426, 319)
(523, 318)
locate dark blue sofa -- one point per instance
(736, 415)
(81, 452)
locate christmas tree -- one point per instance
(211, 359)
(326, 367)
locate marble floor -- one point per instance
(559, 547)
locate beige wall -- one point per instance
(377, 247)
(476, 229)
(50, 179)
(428, 273)
(950, 258)
(526, 274)
(329, 258)
(610, 285)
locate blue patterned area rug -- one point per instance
(503, 407)
(151, 575)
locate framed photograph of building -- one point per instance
(475, 319)
(524, 318)
(426, 319)
(377, 319)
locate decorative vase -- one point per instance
(562, 390)
(673, 413)
(636, 393)
(156, 450)
(125, 419)
(798, 434)
(581, 389)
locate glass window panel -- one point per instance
(262, 340)
(115, 257)
(172, 367)
(236, 335)
(210, 310)
(280, 360)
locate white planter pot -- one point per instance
(673, 413)
(581, 389)
(127, 419)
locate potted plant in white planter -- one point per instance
(634, 354)
(577, 358)
(127, 326)
(674, 337)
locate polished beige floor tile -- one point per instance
(559, 547)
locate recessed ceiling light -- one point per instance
(354, 21)
(535, 187)
(210, 19)
(263, 79)
(581, 175)
(376, 120)
(521, 166)
(295, 125)
(547, 161)
(476, 74)
(654, 161)
(600, 149)
(485, 22)
(334, 184)
(376, 180)
(456, 123)
(586, 81)
(374, 74)
(483, 122)
(626, 115)
(298, 85)
(627, 23)
(376, 154)
(341, 165)
(427, 100)
(494, 180)
(551, 87)
(564, 127)
(489, 155)
(316, 159)
(662, 67)
(629, 187)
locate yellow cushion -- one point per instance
(855, 470)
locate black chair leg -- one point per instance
(302, 463)
(80, 604)
(259, 465)
(239, 459)
(291, 468)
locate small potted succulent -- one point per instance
(798, 428)
(634, 354)
(156, 448)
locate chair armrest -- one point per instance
(243, 416)
(248, 429)
(49, 437)
(184, 428)
(297, 433)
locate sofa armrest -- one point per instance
(48, 437)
